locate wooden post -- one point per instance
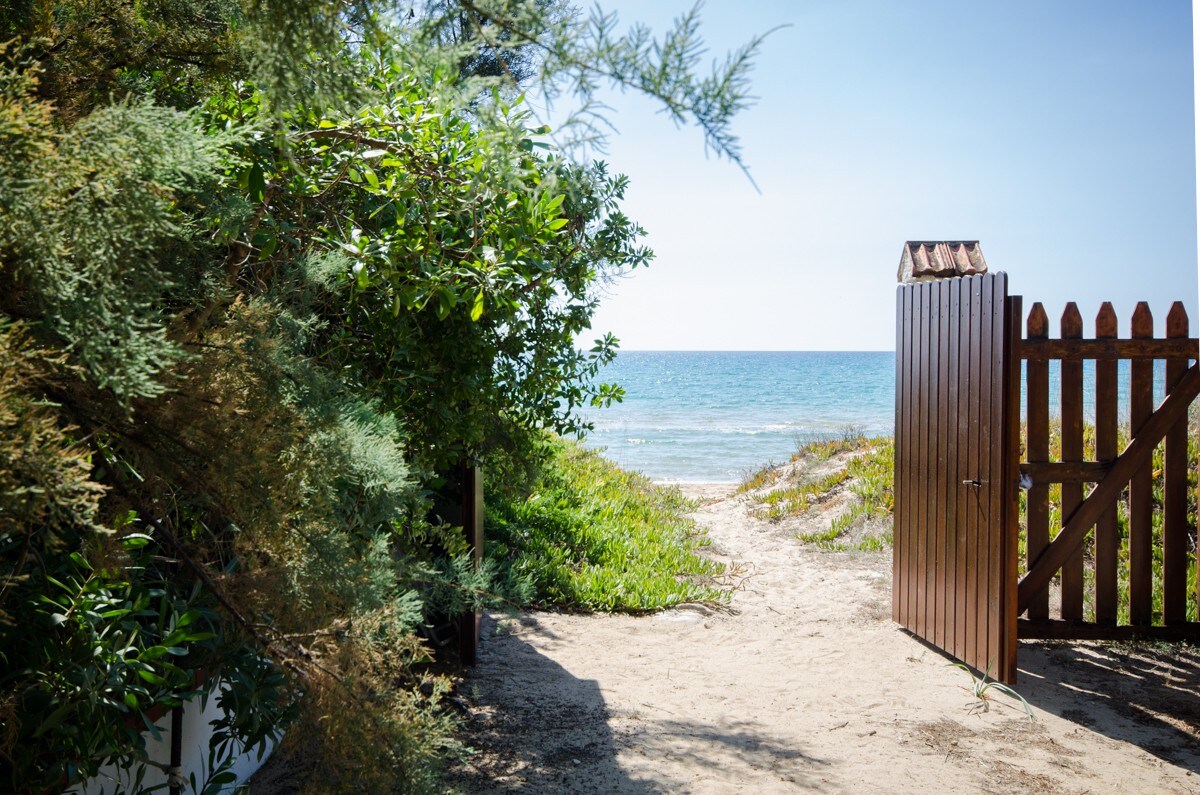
(472, 521)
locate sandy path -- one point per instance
(807, 686)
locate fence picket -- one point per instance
(1072, 450)
(1108, 540)
(1175, 477)
(1141, 405)
(1037, 420)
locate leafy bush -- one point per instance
(265, 269)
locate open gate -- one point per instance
(953, 560)
(957, 581)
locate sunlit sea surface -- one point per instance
(714, 416)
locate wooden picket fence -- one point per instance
(1090, 538)
(960, 474)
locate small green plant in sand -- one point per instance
(595, 537)
(981, 687)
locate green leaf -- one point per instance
(256, 183)
(477, 307)
(53, 719)
(152, 677)
(446, 301)
(369, 174)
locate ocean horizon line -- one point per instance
(755, 350)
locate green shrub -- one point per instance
(593, 536)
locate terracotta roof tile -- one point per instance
(940, 259)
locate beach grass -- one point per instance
(593, 536)
(779, 492)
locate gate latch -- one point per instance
(975, 482)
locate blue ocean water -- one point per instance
(714, 416)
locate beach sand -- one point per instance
(806, 685)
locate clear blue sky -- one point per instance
(1059, 133)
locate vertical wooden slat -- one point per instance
(930, 472)
(1108, 540)
(983, 385)
(916, 341)
(994, 478)
(910, 591)
(1037, 429)
(1072, 450)
(960, 341)
(910, 464)
(941, 476)
(900, 437)
(993, 539)
(965, 582)
(1175, 476)
(1141, 404)
(921, 527)
(1007, 625)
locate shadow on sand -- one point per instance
(537, 728)
(1147, 695)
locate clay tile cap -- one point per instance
(922, 260)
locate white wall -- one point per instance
(196, 733)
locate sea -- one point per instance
(716, 416)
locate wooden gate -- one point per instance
(954, 562)
(959, 470)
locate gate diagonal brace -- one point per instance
(1136, 455)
